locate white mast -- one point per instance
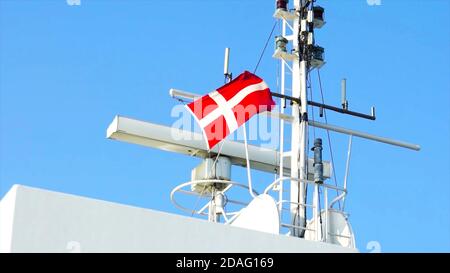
(299, 131)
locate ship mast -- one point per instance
(299, 135)
(302, 39)
(304, 57)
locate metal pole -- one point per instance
(296, 132)
(316, 211)
(303, 160)
(212, 208)
(282, 90)
(225, 62)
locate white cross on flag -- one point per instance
(222, 111)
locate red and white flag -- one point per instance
(222, 111)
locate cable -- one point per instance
(329, 138)
(311, 107)
(265, 46)
(198, 199)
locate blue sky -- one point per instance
(66, 71)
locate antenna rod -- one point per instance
(344, 94)
(342, 130)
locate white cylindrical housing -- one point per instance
(226, 61)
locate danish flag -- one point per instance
(222, 111)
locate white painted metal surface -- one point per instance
(296, 134)
(212, 169)
(283, 65)
(338, 229)
(36, 220)
(7, 209)
(260, 215)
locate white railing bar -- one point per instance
(203, 208)
(337, 235)
(193, 193)
(295, 203)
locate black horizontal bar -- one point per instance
(341, 110)
(297, 100)
(325, 106)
